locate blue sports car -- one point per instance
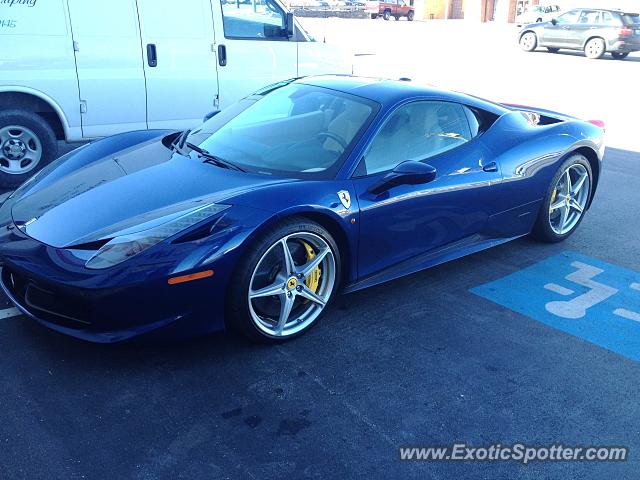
(258, 217)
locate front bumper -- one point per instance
(129, 300)
(68, 315)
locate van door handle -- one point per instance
(490, 167)
(222, 55)
(152, 56)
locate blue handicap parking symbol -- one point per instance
(582, 296)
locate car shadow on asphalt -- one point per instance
(576, 53)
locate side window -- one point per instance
(417, 131)
(253, 20)
(607, 18)
(589, 17)
(569, 17)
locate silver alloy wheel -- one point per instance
(20, 149)
(569, 199)
(299, 305)
(528, 40)
(594, 48)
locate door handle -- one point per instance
(222, 55)
(152, 56)
(490, 167)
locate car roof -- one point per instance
(391, 92)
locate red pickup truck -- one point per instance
(390, 8)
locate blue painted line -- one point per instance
(585, 297)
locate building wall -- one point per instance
(435, 9)
(480, 10)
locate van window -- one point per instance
(253, 20)
(30, 17)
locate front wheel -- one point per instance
(529, 42)
(619, 55)
(566, 200)
(386, 15)
(410, 16)
(594, 48)
(283, 286)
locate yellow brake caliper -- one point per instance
(313, 281)
(553, 198)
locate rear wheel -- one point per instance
(386, 15)
(566, 200)
(374, 16)
(619, 55)
(27, 143)
(595, 48)
(280, 290)
(529, 41)
(410, 16)
(553, 49)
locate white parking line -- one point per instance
(9, 312)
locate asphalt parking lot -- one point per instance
(438, 357)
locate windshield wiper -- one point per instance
(180, 140)
(211, 158)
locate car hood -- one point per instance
(120, 191)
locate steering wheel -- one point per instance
(333, 136)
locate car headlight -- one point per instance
(121, 248)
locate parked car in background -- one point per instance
(538, 13)
(80, 69)
(390, 8)
(594, 31)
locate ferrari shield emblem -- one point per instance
(345, 198)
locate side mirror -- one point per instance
(406, 173)
(554, 21)
(289, 27)
(210, 115)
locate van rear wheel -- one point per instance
(27, 143)
(386, 15)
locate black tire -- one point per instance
(528, 41)
(386, 15)
(595, 48)
(410, 15)
(619, 55)
(374, 16)
(237, 312)
(35, 126)
(542, 229)
(553, 49)
(397, 17)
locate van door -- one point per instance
(110, 75)
(179, 61)
(252, 46)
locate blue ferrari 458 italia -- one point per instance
(257, 218)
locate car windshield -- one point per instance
(297, 130)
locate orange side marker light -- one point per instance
(190, 277)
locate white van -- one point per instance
(80, 69)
